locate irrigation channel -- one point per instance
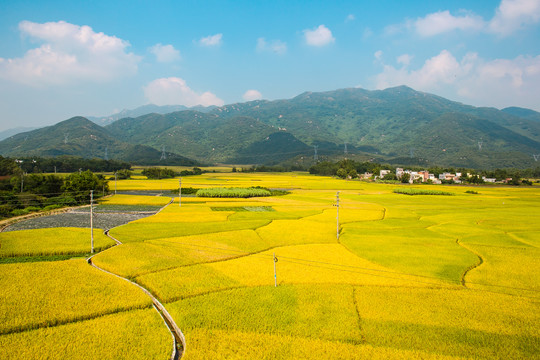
(114, 216)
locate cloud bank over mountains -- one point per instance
(482, 56)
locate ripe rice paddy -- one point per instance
(53, 241)
(425, 277)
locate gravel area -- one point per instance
(77, 219)
(105, 216)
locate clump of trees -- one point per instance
(164, 173)
(122, 174)
(158, 173)
(66, 164)
(195, 171)
(345, 168)
(21, 194)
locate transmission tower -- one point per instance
(480, 145)
(536, 157)
(66, 137)
(315, 156)
(345, 150)
(411, 153)
(163, 154)
(106, 153)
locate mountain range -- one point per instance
(397, 125)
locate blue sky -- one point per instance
(59, 59)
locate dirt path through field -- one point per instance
(179, 347)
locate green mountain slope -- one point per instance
(80, 137)
(206, 137)
(522, 113)
(398, 125)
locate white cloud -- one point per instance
(443, 21)
(512, 15)
(350, 17)
(378, 55)
(275, 46)
(165, 53)
(499, 82)
(404, 59)
(440, 69)
(251, 95)
(174, 91)
(69, 54)
(319, 36)
(212, 40)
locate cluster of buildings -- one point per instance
(425, 176)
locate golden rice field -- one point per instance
(53, 241)
(44, 294)
(425, 277)
(121, 199)
(137, 334)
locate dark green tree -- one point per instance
(78, 186)
(405, 178)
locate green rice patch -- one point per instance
(243, 208)
(233, 192)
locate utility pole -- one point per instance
(180, 192)
(92, 220)
(22, 181)
(337, 215)
(115, 179)
(275, 273)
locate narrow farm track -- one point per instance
(179, 346)
(362, 335)
(179, 341)
(472, 267)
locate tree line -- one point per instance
(350, 168)
(22, 193)
(66, 164)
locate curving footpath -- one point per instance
(179, 346)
